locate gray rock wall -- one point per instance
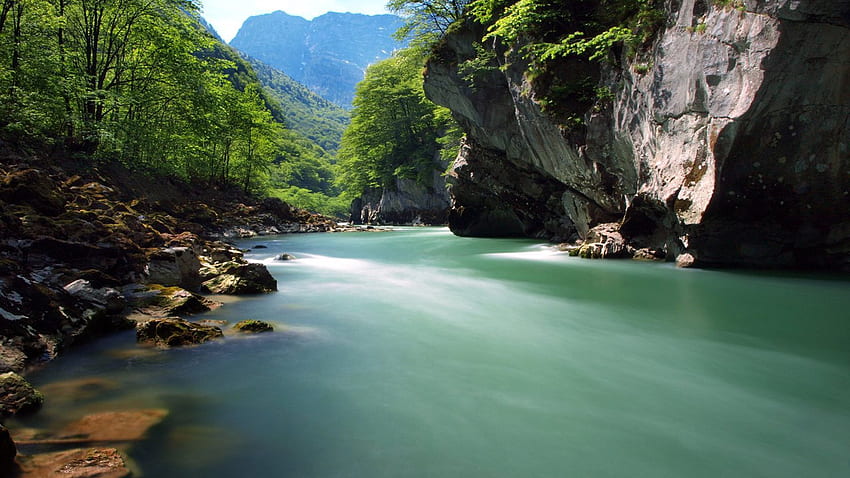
(408, 203)
(731, 142)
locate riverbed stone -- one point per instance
(113, 426)
(17, 396)
(253, 326)
(77, 463)
(174, 332)
(236, 279)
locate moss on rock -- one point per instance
(253, 326)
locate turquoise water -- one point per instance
(419, 354)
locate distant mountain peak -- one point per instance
(328, 54)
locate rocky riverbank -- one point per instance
(88, 250)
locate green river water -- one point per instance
(415, 353)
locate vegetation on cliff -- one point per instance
(395, 131)
(557, 42)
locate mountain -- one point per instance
(328, 54)
(306, 112)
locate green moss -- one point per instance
(254, 326)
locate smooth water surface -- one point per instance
(417, 353)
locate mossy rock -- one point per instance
(175, 332)
(236, 279)
(253, 326)
(17, 396)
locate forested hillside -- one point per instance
(314, 117)
(143, 83)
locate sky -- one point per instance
(226, 16)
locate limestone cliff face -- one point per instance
(408, 203)
(729, 139)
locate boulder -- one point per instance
(106, 298)
(236, 279)
(17, 396)
(285, 257)
(169, 301)
(685, 260)
(174, 332)
(12, 359)
(33, 188)
(8, 451)
(217, 252)
(175, 266)
(253, 326)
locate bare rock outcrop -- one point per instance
(729, 139)
(409, 202)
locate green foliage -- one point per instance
(141, 82)
(579, 28)
(426, 21)
(395, 130)
(595, 48)
(307, 113)
(136, 81)
(642, 68)
(478, 67)
(334, 206)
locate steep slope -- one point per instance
(305, 112)
(726, 140)
(328, 54)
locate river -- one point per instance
(416, 353)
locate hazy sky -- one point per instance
(226, 16)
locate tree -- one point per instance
(427, 20)
(394, 129)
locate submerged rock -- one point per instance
(174, 332)
(17, 396)
(122, 426)
(80, 389)
(77, 463)
(236, 279)
(285, 257)
(253, 326)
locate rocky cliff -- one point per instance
(727, 139)
(408, 203)
(328, 54)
